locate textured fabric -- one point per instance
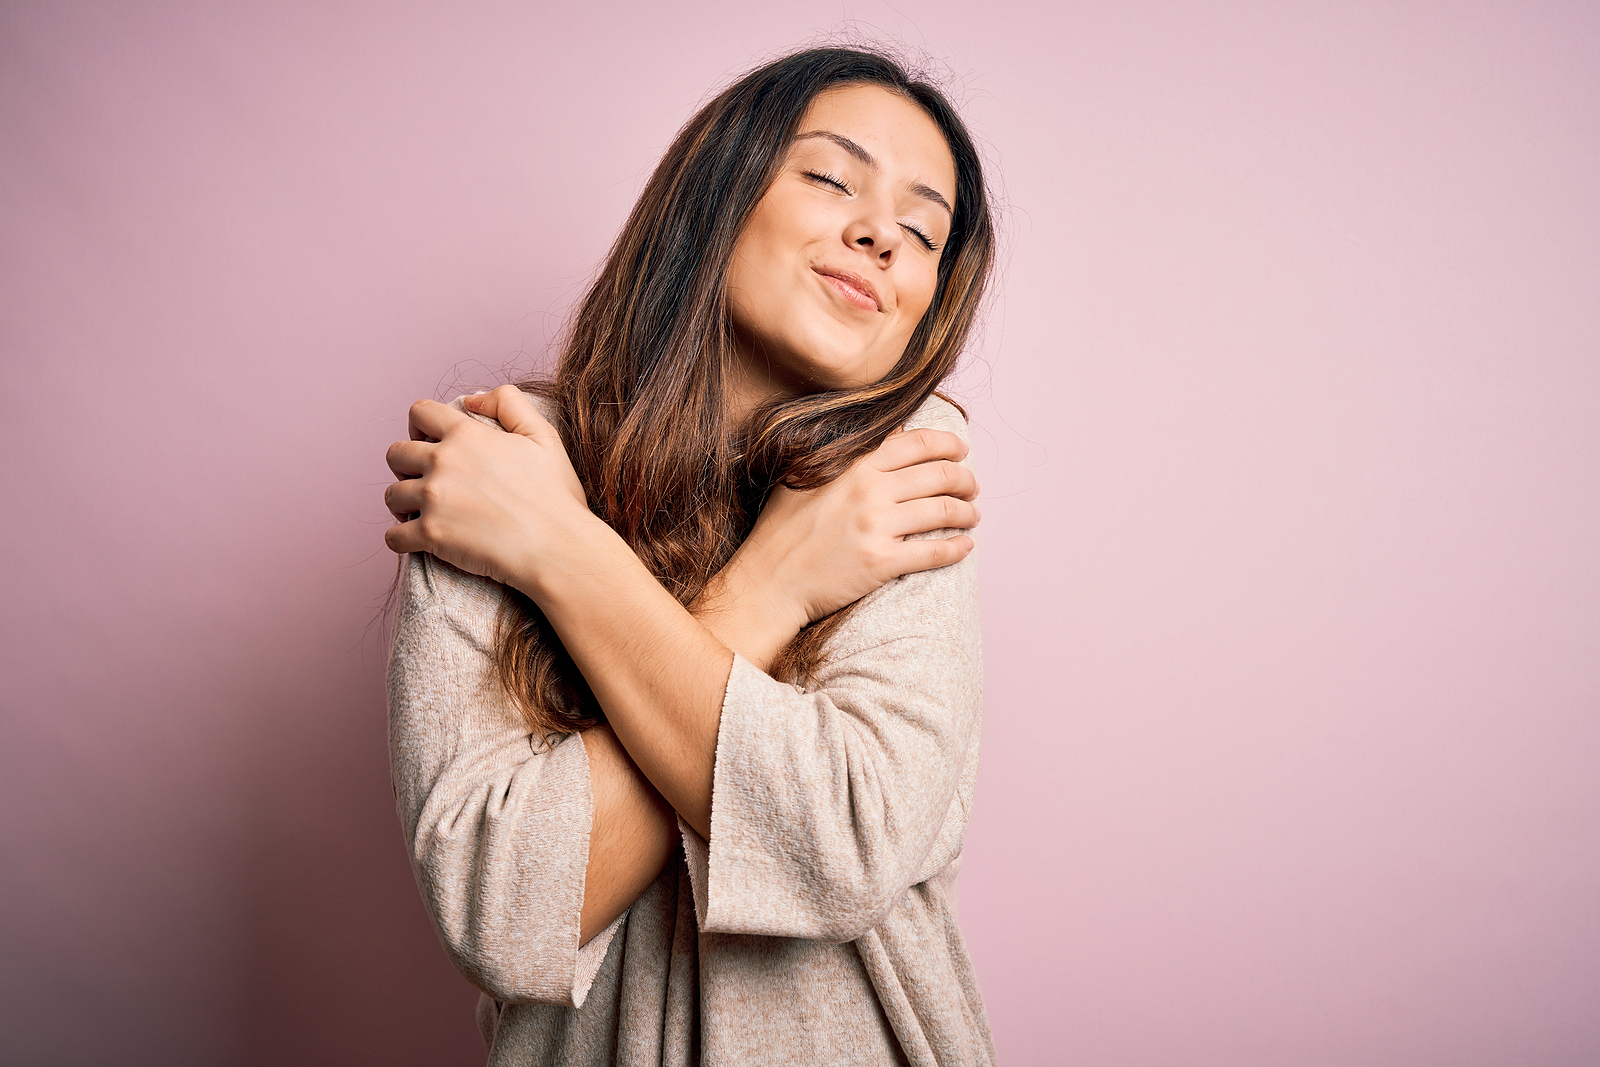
(817, 927)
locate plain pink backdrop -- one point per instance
(1288, 419)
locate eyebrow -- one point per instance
(926, 192)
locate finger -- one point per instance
(939, 477)
(485, 404)
(410, 459)
(430, 420)
(403, 499)
(934, 513)
(918, 446)
(405, 537)
(914, 556)
(513, 409)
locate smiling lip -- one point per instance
(853, 287)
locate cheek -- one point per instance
(775, 227)
(916, 299)
(749, 282)
(757, 274)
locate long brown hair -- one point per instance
(644, 376)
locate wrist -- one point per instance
(748, 608)
(567, 556)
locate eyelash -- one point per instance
(838, 183)
(828, 179)
(923, 237)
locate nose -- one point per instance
(875, 232)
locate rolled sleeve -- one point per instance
(497, 822)
(828, 805)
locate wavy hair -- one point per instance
(645, 372)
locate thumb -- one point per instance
(512, 408)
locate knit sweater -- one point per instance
(816, 926)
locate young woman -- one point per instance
(685, 688)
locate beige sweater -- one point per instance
(816, 926)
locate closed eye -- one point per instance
(828, 179)
(922, 235)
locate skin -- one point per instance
(865, 192)
(507, 505)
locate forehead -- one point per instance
(902, 137)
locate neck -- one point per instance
(752, 383)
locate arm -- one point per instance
(829, 804)
(634, 828)
(633, 832)
(498, 826)
(756, 605)
(510, 507)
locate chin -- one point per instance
(819, 360)
(845, 370)
(832, 378)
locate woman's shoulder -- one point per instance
(939, 413)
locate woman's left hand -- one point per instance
(505, 505)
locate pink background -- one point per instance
(1288, 419)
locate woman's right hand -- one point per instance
(811, 553)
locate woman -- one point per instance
(681, 786)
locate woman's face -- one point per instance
(838, 261)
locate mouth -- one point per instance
(853, 287)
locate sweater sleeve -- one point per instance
(828, 804)
(497, 822)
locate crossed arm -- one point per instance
(507, 505)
